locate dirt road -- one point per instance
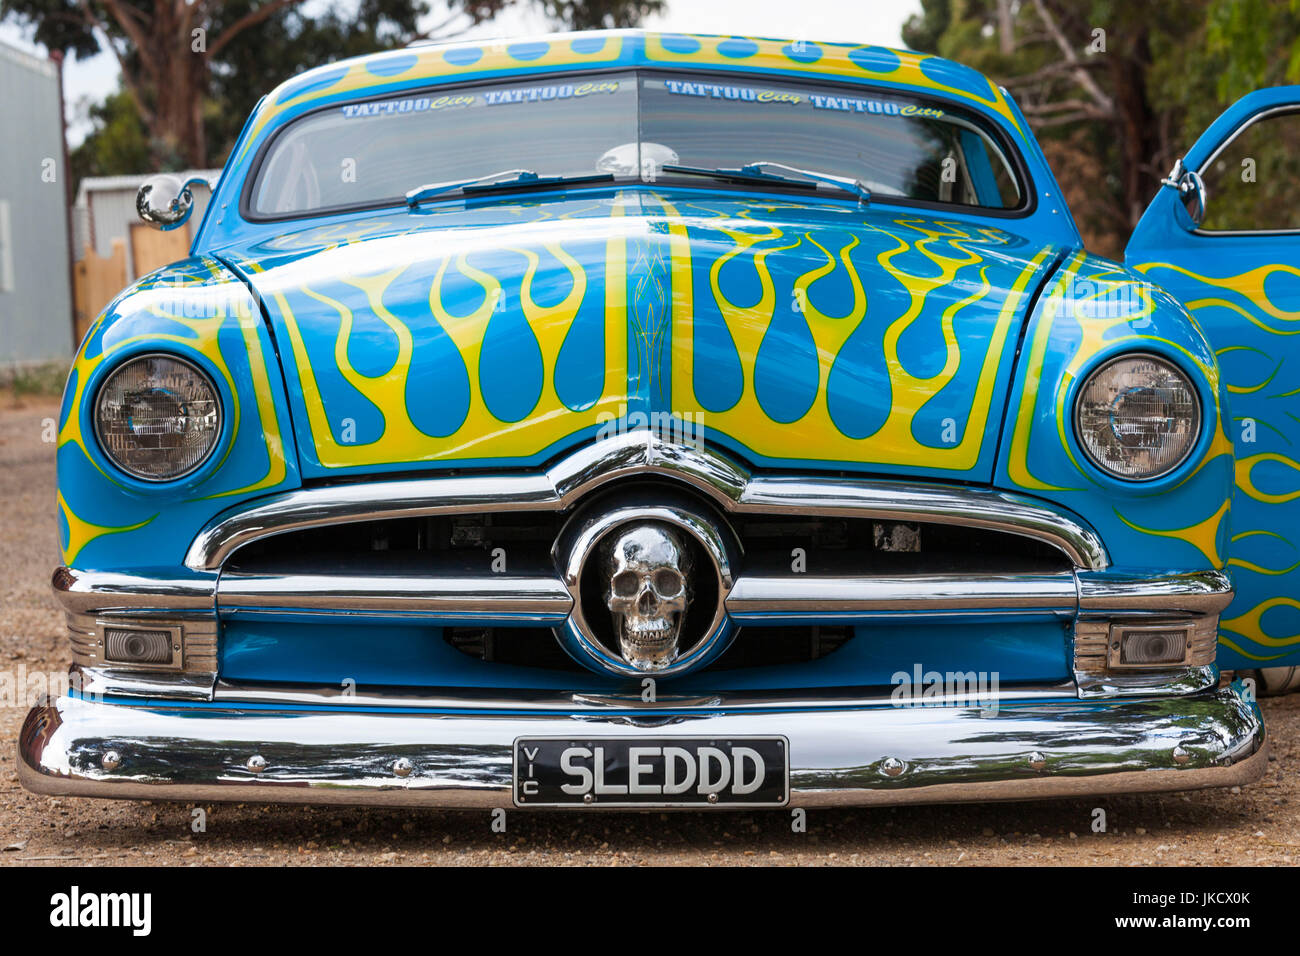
(1259, 824)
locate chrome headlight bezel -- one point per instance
(124, 467)
(1195, 432)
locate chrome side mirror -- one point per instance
(1191, 191)
(164, 201)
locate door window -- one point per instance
(1253, 182)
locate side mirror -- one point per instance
(1191, 192)
(164, 201)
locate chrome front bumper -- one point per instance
(842, 753)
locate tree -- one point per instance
(119, 143)
(189, 67)
(1116, 91)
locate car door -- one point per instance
(1223, 235)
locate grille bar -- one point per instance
(642, 454)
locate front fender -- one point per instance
(200, 311)
(1092, 310)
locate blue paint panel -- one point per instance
(553, 282)
(786, 370)
(528, 51)
(372, 347)
(587, 45)
(392, 66)
(580, 366)
(958, 77)
(719, 380)
(804, 52)
(144, 322)
(417, 656)
(510, 368)
(676, 43)
(345, 407)
(437, 388)
(737, 48)
(875, 59)
(858, 390)
(463, 56)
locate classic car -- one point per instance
(624, 419)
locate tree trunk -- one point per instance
(177, 128)
(1006, 28)
(172, 74)
(1138, 135)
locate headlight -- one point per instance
(1137, 417)
(157, 417)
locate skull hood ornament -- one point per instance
(648, 566)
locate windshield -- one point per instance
(631, 125)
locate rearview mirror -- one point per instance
(164, 201)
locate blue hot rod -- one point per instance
(626, 419)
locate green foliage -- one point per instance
(118, 143)
(1255, 42)
(922, 31)
(44, 380)
(287, 44)
(1255, 182)
(1113, 122)
(601, 15)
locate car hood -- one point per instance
(793, 334)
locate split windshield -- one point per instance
(631, 125)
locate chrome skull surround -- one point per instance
(636, 561)
(649, 566)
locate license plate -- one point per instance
(651, 772)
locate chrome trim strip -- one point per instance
(109, 681)
(754, 599)
(769, 598)
(569, 702)
(632, 454)
(889, 755)
(1190, 592)
(107, 592)
(489, 596)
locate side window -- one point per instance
(1253, 183)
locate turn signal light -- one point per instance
(1148, 646)
(131, 646)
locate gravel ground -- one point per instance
(1255, 825)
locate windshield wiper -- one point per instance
(758, 172)
(501, 180)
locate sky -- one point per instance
(861, 21)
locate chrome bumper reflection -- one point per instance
(841, 754)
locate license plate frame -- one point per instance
(547, 755)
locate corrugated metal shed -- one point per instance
(105, 210)
(35, 293)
